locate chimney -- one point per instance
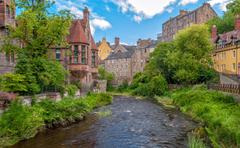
(214, 32)
(86, 14)
(237, 22)
(183, 12)
(117, 41)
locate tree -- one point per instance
(38, 31)
(234, 7)
(186, 60)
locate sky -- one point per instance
(132, 19)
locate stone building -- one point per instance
(125, 61)
(185, 19)
(226, 56)
(81, 59)
(7, 17)
(104, 49)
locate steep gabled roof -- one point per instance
(77, 34)
(94, 46)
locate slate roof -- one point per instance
(229, 37)
(77, 34)
(119, 54)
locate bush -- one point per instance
(219, 112)
(19, 123)
(71, 90)
(10, 82)
(149, 86)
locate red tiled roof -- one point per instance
(94, 46)
(77, 34)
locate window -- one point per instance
(93, 58)
(58, 54)
(75, 54)
(234, 66)
(83, 54)
(7, 57)
(223, 67)
(234, 53)
(8, 12)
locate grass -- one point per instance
(217, 111)
(194, 142)
(21, 122)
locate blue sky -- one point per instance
(132, 19)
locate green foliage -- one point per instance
(145, 85)
(194, 142)
(38, 31)
(186, 60)
(123, 87)
(21, 122)
(71, 90)
(234, 7)
(219, 112)
(12, 83)
(225, 23)
(104, 75)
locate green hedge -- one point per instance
(219, 112)
(21, 122)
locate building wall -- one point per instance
(185, 19)
(104, 50)
(227, 60)
(121, 68)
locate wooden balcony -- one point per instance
(79, 67)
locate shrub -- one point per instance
(149, 86)
(10, 82)
(218, 111)
(71, 90)
(19, 123)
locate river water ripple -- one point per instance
(132, 124)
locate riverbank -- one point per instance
(22, 122)
(219, 113)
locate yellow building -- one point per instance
(104, 49)
(226, 55)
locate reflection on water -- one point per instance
(127, 123)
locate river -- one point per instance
(126, 123)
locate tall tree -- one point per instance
(37, 31)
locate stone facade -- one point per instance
(185, 19)
(7, 17)
(125, 61)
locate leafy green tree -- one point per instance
(224, 23)
(37, 31)
(186, 60)
(234, 7)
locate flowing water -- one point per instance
(127, 123)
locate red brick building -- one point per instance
(81, 58)
(7, 17)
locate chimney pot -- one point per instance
(237, 23)
(214, 32)
(117, 41)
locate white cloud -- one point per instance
(76, 8)
(185, 2)
(221, 3)
(144, 8)
(99, 23)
